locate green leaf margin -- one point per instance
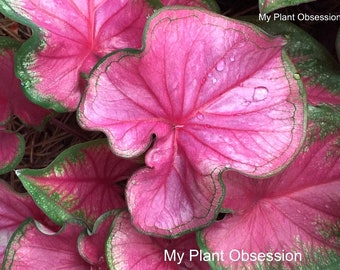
(272, 5)
(7, 43)
(24, 59)
(20, 232)
(99, 221)
(212, 4)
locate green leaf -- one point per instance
(326, 118)
(267, 6)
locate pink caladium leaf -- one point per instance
(14, 209)
(83, 182)
(12, 98)
(222, 96)
(91, 246)
(139, 251)
(291, 220)
(69, 38)
(12, 148)
(34, 246)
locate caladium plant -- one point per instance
(208, 104)
(69, 38)
(13, 102)
(226, 98)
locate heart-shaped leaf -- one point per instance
(69, 38)
(92, 246)
(139, 251)
(225, 98)
(267, 6)
(14, 209)
(34, 246)
(12, 148)
(12, 99)
(82, 183)
(291, 220)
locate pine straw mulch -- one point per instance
(42, 146)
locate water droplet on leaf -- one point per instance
(232, 58)
(214, 80)
(260, 93)
(297, 76)
(220, 65)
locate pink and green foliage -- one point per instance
(13, 102)
(210, 104)
(34, 246)
(140, 251)
(267, 6)
(69, 38)
(297, 210)
(12, 99)
(83, 182)
(14, 209)
(226, 97)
